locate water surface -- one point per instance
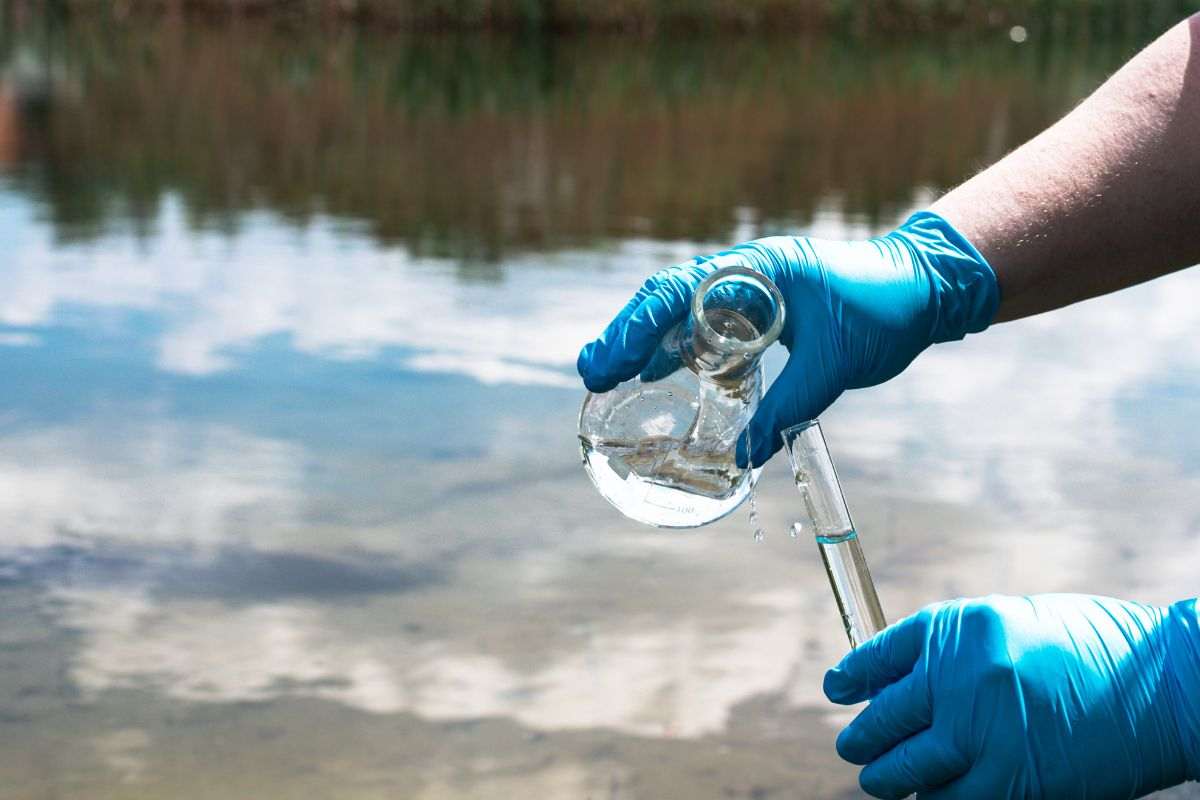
(290, 498)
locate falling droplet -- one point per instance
(794, 531)
(759, 533)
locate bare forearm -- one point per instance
(1107, 197)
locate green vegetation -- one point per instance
(1109, 16)
(477, 145)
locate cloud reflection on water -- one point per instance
(676, 682)
(1030, 435)
(333, 293)
(163, 481)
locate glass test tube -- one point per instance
(829, 520)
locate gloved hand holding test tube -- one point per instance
(828, 519)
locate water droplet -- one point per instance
(759, 533)
(795, 530)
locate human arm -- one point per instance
(1107, 197)
(1054, 696)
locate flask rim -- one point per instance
(727, 344)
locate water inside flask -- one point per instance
(662, 446)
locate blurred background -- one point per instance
(290, 296)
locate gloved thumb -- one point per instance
(878, 662)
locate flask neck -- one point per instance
(735, 315)
(724, 369)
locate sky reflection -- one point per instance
(1033, 440)
(298, 492)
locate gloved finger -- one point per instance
(919, 764)
(807, 386)
(896, 713)
(626, 346)
(594, 355)
(665, 361)
(879, 661)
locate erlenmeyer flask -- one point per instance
(661, 447)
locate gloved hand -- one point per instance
(1051, 696)
(857, 314)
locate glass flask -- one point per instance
(661, 447)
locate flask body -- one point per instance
(662, 446)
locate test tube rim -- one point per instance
(800, 427)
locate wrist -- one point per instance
(1182, 637)
(964, 293)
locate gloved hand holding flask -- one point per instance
(857, 314)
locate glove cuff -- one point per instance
(1183, 661)
(964, 292)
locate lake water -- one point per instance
(290, 496)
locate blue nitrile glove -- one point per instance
(1052, 696)
(857, 314)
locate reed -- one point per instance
(476, 146)
(648, 16)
